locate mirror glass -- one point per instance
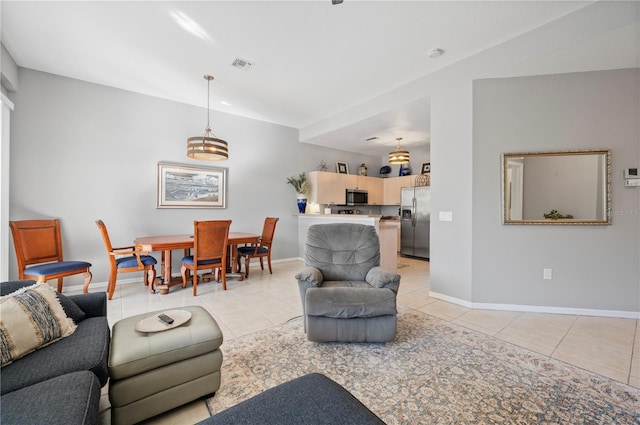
(556, 187)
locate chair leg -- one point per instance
(247, 259)
(185, 276)
(151, 279)
(261, 263)
(269, 262)
(112, 284)
(87, 281)
(223, 271)
(60, 285)
(195, 282)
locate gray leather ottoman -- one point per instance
(155, 372)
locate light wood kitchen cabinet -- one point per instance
(393, 188)
(329, 188)
(374, 186)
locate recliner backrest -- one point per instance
(342, 251)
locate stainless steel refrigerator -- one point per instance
(415, 218)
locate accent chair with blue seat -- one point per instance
(38, 246)
(127, 259)
(209, 252)
(346, 295)
(262, 248)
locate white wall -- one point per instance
(81, 151)
(594, 267)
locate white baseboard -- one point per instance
(538, 309)
(104, 284)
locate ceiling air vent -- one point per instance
(370, 139)
(242, 64)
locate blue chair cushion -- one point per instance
(57, 267)
(248, 250)
(189, 260)
(131, 261)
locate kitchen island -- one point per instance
(386, 229)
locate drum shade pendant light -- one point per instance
(207, 147)
(399, 156)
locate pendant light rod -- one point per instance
(208, 78)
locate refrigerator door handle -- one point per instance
(413, 213)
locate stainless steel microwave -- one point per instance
(357, 197)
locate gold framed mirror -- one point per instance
(557, 187)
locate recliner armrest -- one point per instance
(382, 278)
(310, 276)
(93, 304)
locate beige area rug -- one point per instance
(434, 372)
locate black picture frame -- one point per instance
(426, 168)
(342, 168)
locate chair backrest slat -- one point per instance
(210, 239)
(36, 241)
(268, 231)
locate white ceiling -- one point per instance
(312, 60)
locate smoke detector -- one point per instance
(242, 64)
(434, 53)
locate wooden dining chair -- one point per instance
(38, 247)
(209, 251)
(262, 248)
(127, 259)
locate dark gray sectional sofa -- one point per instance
(60, 383)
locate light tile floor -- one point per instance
(606, 346)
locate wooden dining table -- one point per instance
(167, 243)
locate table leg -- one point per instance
(166, 272)
(234, 263)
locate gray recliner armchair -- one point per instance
(346, 295)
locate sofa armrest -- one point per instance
(382, 278)
(93, 304)
(8, 287)
(310, 277)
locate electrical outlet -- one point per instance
(546, 274)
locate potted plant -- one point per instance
(301, 186)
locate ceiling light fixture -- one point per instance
(207, 147)
(399, 156)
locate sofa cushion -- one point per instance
(71, 308)
(31, 318)
(349, 303)
(68, 399)
(86, 349)
(311, 399)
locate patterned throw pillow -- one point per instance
(31, 318)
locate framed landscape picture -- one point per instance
(342, 167)
(191, 186)
(426, 168)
